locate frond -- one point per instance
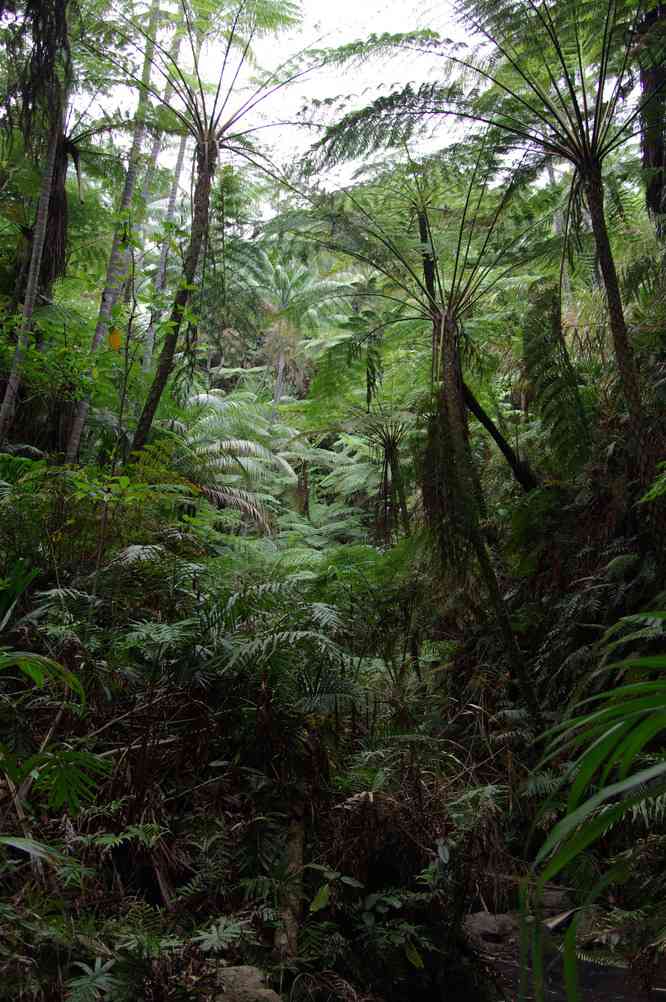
(555, 381)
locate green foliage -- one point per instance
(613, 730)
(221, 935)
(94, 983)
(254, 677)
(555, 382)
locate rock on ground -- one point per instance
(244, 984)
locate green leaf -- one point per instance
(577, 830)
(351, 882)
(413, 956)
(35, 849)
(321, 898)
(41, 670)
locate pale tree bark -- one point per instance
(151, 166)
(32, 284)
(559, 223)
(289, 913)
(279, 386)
(206, 162)
(161, 277)
(117, 264)
(149, 174)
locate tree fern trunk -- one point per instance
(652, 34)
(519, 468)
(206, 161)
(468, 512)
(399, 485)
(117, 264)
(32, 284)
(624, 354)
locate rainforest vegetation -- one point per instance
(332, 501)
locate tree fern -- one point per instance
(555, 381)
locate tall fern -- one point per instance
(555, 381)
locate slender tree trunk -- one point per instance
(303, 490)
(399, 485)
(206, 162)
(279, 387)
(652, 35)
(624, 354)
(32, 284)
(559, 221)
(151, 167)
(116, 268)
(520, 469)
(161, 278)
(286, 934)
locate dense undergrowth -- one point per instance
(246, 691)
(332, 522)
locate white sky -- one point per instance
(326, 23)
(329, 23)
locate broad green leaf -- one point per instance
(578, 829)
(41, 670)
(321, 898)
(36, 849)
(413, 956)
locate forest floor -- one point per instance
(597, 983)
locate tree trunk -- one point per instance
(149, 175)
(520, 469)
(624, 354)
(161, 277)
(159, 135)
(206, 161)
(117, 264)
(279, 387)
(468, 513)
(286, 934)
(399, 486)
(32, 284)
(652, 36)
